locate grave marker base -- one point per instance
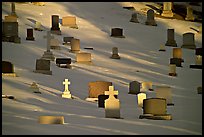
(172, 74)
(58, 32)
(114, 56)
(51, 120)
(43, 72)
(30, 38)
(117, 36)
(171, 43)
(55, 47)
(48, 55)
(196, 66)
(189, 46)
(9, 74)
(156, 117)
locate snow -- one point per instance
(140, 61)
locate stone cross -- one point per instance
(49, 37)
(111, 92)
(66, 83)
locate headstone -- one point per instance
(134, 18)
(199, 90)
(38, 26)
(66, 93)
(146, 86)
(150, 18)
(10, 32)
(177, 53)
(164, 92)
(176, 61)
(198, 62)
(140, 98)
(8, 69)
(64, 62)
(172, 70)
(112, 105)
(162, 48)
(117, 32)
(189, 15)
(55, 25)
(155, 108)
(51, 120)
(30, 35)
(75, 45)
(83, 57)
(43, 66)
(170, 38)
(34, 87)
(48, 54)
(39, 3)
(115, 53)
(198, 51)
(97, 88)
(13, 9)
(69, 21)
(54, 44)
(188, 41)
(101, 100)
(67, 40)
(167, 9)
(10, 18)
(134, 87)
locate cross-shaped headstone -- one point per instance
(111, 92)
(66, 83)
(49, 37)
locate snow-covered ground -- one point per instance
(140, 61)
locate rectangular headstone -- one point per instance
(43, 66)
(83, 57)
(10, 18)
(164, 92)
(69, 21)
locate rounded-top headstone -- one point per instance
(117, 32)
(188, 41)
(134, 18)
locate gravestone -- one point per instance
(67, 40)
(48, 55)
(150, 18)
(101, 100)
(162, 48)
(97, 88)
(38, 26)
(10, 32)
(55, 25)
(198, 62)
(177, 53)
(66, 93)
(39, 3)
(115, 53)
(188, 41)
(83, 57)
(34, 87)
(13, 9)
(112, 105)
(198, 51)
(10, 18)
(75, 45)
(64, 62)
(172, 70)
(69, 21)
(189, 15)
(134, 87)
(155, 108)
(43, 66)
(117, 32)
(176, 61)
(170, 38)
(54, 44)
(166, 93)
(8, 69)
(146, 86)
(30, 35)
(167, 9)
(51, 119)
(134, 18)
(140, 98)
(199, 90)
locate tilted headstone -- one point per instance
(10, 18)
(97, 88)
(13, 9)
(150, 18)
(112, 105)
(155, 108)
(38, 26)
(10, 32)
(55, 29)
(102, 98)
(117, 32)
(115, 53)
(48, 54)
(140, 98)
(30, 35)
(189, 15)
(172, 70)
(146, 86)
(51, 119)
(170, 38)
(83, 57)
(134, 18)
(67, 40)
(164, 92)
(134, 87)
(167, 9)
(43, 66)
(75, 45)
(188, 41)
(54, 44)
(8, 69)
(66, 62)
(66, 93)
(69, 21)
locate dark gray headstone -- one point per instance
(170, 38)
(63, 61)
(176, 61)
(150, 18)
(188, 41)
(42, 64)
(117, 32)
(55, 25)
(7, 67)
(134, 87)
(198, 51)
(30, 35)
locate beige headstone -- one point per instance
(10, 18)
(39, 3)
(167, 9)
(69, 21)
(164, 92)
(83, 57)
(75, 45)
(54, 44)
(51, 120)
(198, 60)
(140, 98)
(172, 69)
(66, 93)
(177, 53)
(146, 86)
(189, 15)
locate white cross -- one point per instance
(66, 83)
(49, 37)
(111, 92)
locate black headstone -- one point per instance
(30, 35)
(198, 51)
(63, 60)
(102, 98)
(7, 67)
(55, 22)
(117, 32)
(176, 61)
